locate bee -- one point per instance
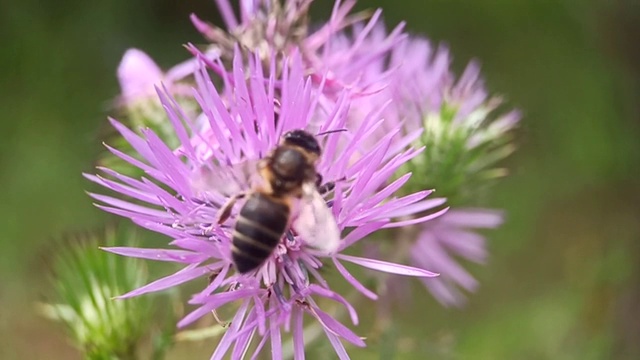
(289, 178)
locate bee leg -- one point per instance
(224, 324)
(323, 188)
(225, 211)
(326, 187)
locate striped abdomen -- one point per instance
(262, 222)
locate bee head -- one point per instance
(302, 139)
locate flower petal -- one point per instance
(336, 328)
(187, 274)
(180, 256)
(213, 302)
(353, 281)
(387, 266)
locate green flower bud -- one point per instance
(86, 281)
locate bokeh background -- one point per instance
(563, 281)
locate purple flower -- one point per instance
(242, 123)
(283, 27)
(465, 138)
(411, 84)
(262, 27)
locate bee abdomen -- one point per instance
(261, 223)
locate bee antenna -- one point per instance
(330, 132)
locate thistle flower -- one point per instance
(465, 136)
(404, 78)
(464, 131)
(244, 122)
(283, 27)
(264, 27)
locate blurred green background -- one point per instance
(563, 281)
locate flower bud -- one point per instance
(86, 281)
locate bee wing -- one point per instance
(315, 222)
